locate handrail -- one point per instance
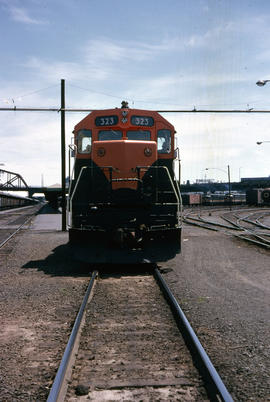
(168, 173)
(75, 188)
(175, 190)
(72, 147)
(127, 179)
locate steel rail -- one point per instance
(215, 387)
(238, 219)
(245, 218)
(16, 231)
(243, 236)
(248, 232)
(217, 224)
(186, 220)
(62, 370)
(259, 243)
(263, 234)
(231, 222)
(262, 225)
(256, 223)
(259, 236)
(251, 222)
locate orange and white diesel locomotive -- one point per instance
(124, 199)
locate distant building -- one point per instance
(257, 181)
(204, 181)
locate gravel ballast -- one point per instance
(221, 283)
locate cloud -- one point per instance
(33, 144)
(97, 50)
(187, 89)
(219, 140)
(51, 71)
(20, 14)
(33, 141)
(99, 60)
(103, 49)
(156, 72)
(223, 33)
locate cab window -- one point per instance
(164, 141)
(139, 135)
(109, 135)
(84, 141)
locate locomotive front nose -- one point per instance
(121, 160)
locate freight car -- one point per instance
(254, 196)
(213, 199)
(235, 198)
(266, 196)
(124, 200)
(258, 196)
(224, 199)
(191, 198)
(8, 201)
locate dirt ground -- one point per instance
(221, 283)
(39, 298)
(223, 286)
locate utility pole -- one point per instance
(63, 157)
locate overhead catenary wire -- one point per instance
(157, 102)
(18, 97)
(194, 110)
(12, 99)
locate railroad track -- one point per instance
(125, 345)
(245, 224)
(12, 221)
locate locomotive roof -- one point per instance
(118, 111)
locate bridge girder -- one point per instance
(10, 180)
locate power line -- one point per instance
(153, 101)
(13, 98)
(95, 92)
(125, 97)
(194, 110)
(120, 97)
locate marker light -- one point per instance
(147, 151)
(101, 152)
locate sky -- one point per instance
(158, 55)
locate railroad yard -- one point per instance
(130, 347)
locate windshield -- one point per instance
(84, 141)
(164, 141)
(139, 135)
(110, 135)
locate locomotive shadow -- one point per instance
(104, 248)
(97, 253)
(64, 262)
(60, 263)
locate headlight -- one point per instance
(147, 151)
(101, 151)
